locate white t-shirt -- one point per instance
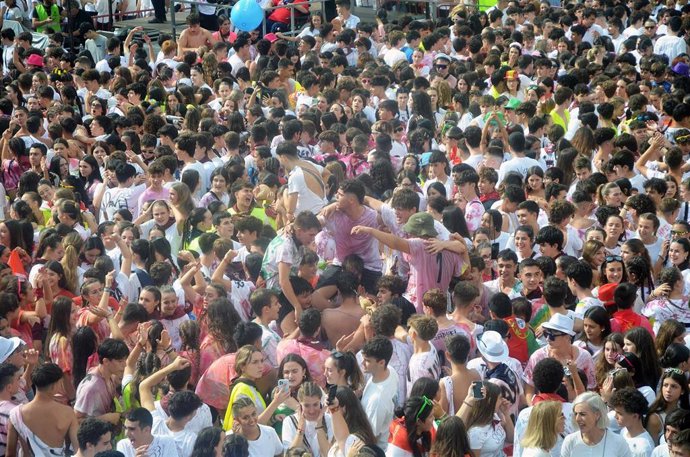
(518, 164)
(640, 446)
(310, 433)
(203, 178)
(448, 185)
(611, 445)
(116, 198)
(535, 452)
(488, 438)
(184, 439)
(307, 200)
(161, 446)
(423, 365)
(661, 451)
(202, 418)
(378, 401)
(267, 445)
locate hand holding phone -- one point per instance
(283, 384)
(477, 390)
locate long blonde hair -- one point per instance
(73, 244)
(542, 432)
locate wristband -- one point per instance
(467, 404)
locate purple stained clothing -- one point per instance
(94, 395)
(363, 244)
(439, 341)
(151, 195)
(429, 271)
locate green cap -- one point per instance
(513, 103)
(420, 224)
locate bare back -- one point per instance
(337, 322)
(50, 421)
(313, 179)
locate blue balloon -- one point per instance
(247, 15)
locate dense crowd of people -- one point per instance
(461, 237)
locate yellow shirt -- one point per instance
(242, 390)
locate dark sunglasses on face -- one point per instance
(441, 67)
(551, 336)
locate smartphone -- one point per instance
(331, 394)
(283, 384)
(477, 390)
(566, 371)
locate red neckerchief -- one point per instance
(546, 397)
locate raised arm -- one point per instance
(390, 240)
(373, 203)
(147, 385)
(654, 148)
(219, 272)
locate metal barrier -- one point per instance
(267, 11)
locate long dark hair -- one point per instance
(60, 321)
(206, 442)
(161, 246)
(421, 106)
(644, 343)
(84, 345)
(451, 439)
(354, 415)
(21, 235)
(659, 405)
(292, 357)
(221, 319)
(348, 362)
(189, 232)
(56, 267)
(454, 221)
(600, 317)
(95, 170)
(416, 410)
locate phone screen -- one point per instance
(477, 390)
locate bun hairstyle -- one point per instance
(674, 355)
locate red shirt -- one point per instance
(517, 343)
(625, 319)
(283, 14)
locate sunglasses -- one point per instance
(551, 336)
(425, 402)
(674, 371)
(683, 139)
(649, 27)
(399, 129)
(614, 258)
(677, 233)
(441, 67)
